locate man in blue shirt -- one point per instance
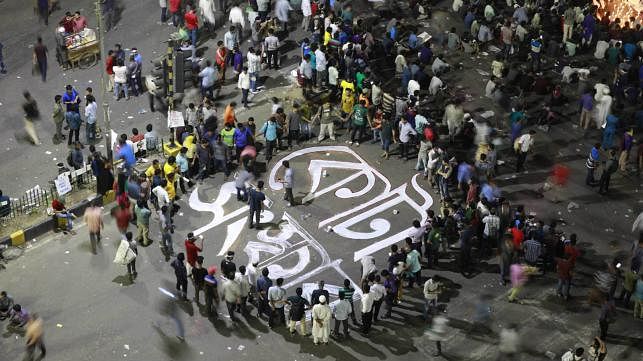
(126, 152)
(263, 284)
(241, 137)
(71, 99)
(255, 201)
(208, 77)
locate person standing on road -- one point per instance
(40, 58)
(211, 292)
(349, 292)
(198, 277)
(244, 85)
(181, 274)
(192, 250)
(367, 309)
(192, 23)
(244, 284)
(611, 166)
(175, 10)
(277, 300)
(143, 214)
(34, 336)
(255, 201)
(30, 107)
(263, 285)
(90, 117)
(298, 307)
(231, 294)
(131, 266)
(341, 312)
(321, 316)
(94, 221)
(270, 131)
(524, 145)
(288, 182)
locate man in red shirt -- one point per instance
(109, 69)
(192, 24)
(517, 236)
(564, 268)
(191, 249)
(68, 23)
(220, 57)
(571, 251)
(175, 9)
(122, 215)
(80, 22)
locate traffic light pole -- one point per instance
(103, 83)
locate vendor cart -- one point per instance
(79, 49)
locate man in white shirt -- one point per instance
(378, 292)
(491, 230)
(244, 84)
(271, 47)
(277, 300)
(244, 286)
(341, 312)
(431, 293)
(439, 65)
(412, 87)
(254, 64)
(406, 131)
(435, 85)
(232, 295)
(454, 117)
(320, 59)
(230, 40)
(288, 183)
(525, 142)
(367, 309)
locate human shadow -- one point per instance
(174, 348)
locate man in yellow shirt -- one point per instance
(171, 169)
(149, 172)
(347, 84)
(348, 101)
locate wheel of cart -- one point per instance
(88, 60)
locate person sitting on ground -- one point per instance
(19, 316)
(6, 305)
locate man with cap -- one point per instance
(211, 292)
(321, 316)
(228, 268)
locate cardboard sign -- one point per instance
(175, 119)
(63, 186)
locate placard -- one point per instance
(175, 119)
(63, 186)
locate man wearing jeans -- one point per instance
(271, 46)
(431, 292)
(192, 24)
(254, 64)
(277, 300)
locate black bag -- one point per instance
(69, 159)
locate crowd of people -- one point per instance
(343, 86)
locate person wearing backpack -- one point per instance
(298, 307)
(611, 166)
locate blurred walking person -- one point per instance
(34, 336)
(40, 59)
(32, 114)
(94, 221)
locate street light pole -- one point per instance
(103, 83)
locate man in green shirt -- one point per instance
(227, 136)
(358, 119)
(59, 117)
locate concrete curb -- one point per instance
(48, 224)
